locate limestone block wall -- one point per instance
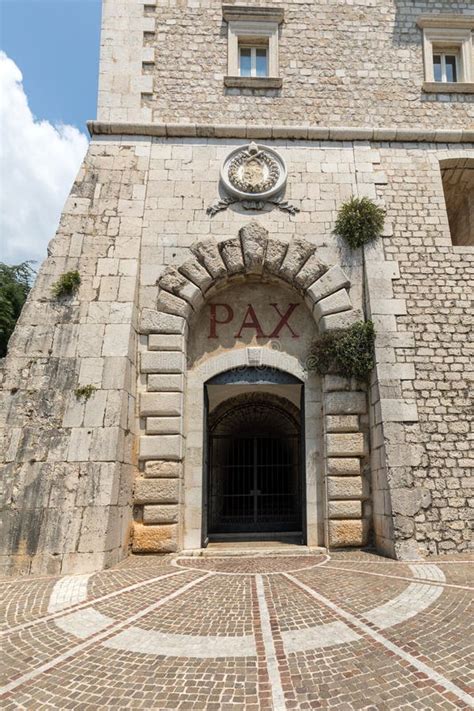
(341, 64)
(66, 461)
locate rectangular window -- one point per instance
(445, 67)
(253, 61)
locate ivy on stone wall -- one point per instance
(359, 221)
(347, 352)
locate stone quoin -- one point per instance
(201, 222)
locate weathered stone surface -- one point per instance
(160, 513)
(231, 253)
(254, 243)
(345, 509)
(274, 255)
(333, 280)
(165, 342)
(155, 539)
(345, 403)
(342, 320)
(153, 322)
(156, 491)
(162, 404)
(342, 423)
(175, 283)
(343, 466)
(163, 362)
(171, 470)
(345, 445)
(299, 251)
(332, 304)
(171, 304)
(207, 253)
(161, 447)
(347, 487)
(346, 533)
(195, 272)
(311, 271)
(391, 410)
(164, 425)
(165, 383)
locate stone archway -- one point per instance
(167, 497)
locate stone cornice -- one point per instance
(305, 133)
(238, 13)
(446, 22)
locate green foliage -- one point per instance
(359, 221)
(67, 284)
(84, 392)
(15, 283)
(348, 352)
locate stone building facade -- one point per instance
(193, 327)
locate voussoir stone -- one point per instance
(231, 252)
(274, 255)
(195, 272)
(254, 240)
(171, 304)
(311, 271)
(177, 284)
(332, 304)
(341, 320)
(153, 321)
(299, 251)
(207, 252)
(331, 281)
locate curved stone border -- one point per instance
(309, 133)
(182, 292)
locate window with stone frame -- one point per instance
(448, 53)
(458, 185)
(252, 52)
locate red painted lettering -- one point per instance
(284, 321)
(214, 321)
(251, 321)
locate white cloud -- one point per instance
(39, 162)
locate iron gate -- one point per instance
(254, 484)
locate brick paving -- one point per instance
(350, 631)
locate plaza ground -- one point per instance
(349, 631)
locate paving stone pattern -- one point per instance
(350, 631)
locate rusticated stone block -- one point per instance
(161, 447)
(160, 513)
(342, 423)
(345, 445)
(342, 320)
(274, 255)
(208, 255)
(299, 250)
(333, 280)
(231, 253)
(153, 321)
(164, 382)
(332, 304)
(254, 242)
(196, 273)
(311, 270)
(346, 532)
(171, 304)
(345, 509)
(163, 362)
(343, 466)
(155, 539)
(347, 487)
(164, 425)
(156, 491)
(165, 342)
(345, 403)
(171, 470)
(161, 404)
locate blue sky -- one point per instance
(55, 44)
(49, 54)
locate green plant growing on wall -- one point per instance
(67, 284)
(359, 221)
(84, 392)
(347, 352)
(15, 285)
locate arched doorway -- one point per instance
(254, 468)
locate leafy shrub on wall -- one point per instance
(359, 221)
(347, 352)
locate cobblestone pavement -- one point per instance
(350, 631)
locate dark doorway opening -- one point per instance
(255, 487)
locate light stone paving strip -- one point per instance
(437, 678)
(427, 581)
(68, 591)
(270, 654)
(318, 637)
(100, 636)
(416, 598)
(89, 603)
(428, 572)
(167, 644)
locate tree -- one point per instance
(15, 284)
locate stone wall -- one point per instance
(66, 503)
(342, 64)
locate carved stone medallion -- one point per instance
(254, 173)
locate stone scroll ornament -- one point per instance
(253, 176)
